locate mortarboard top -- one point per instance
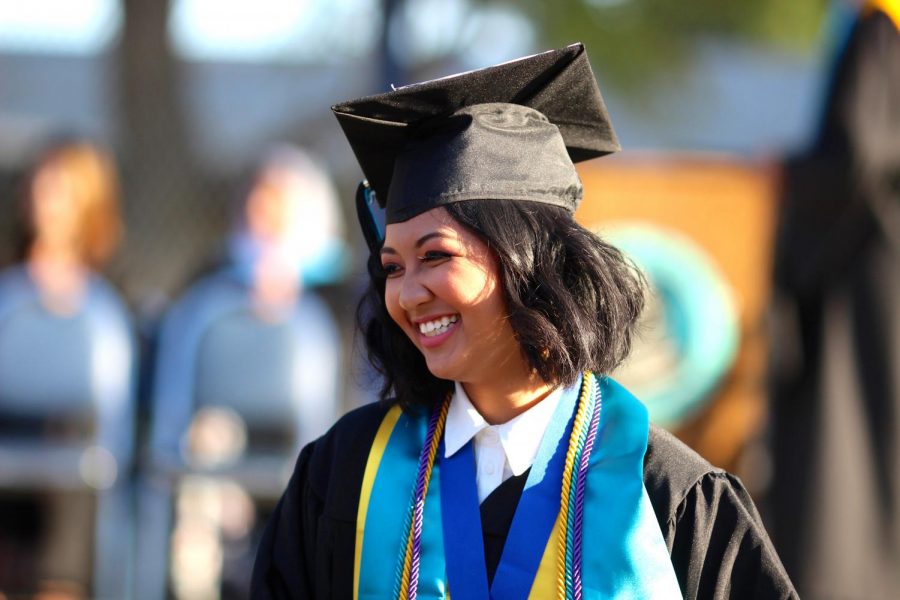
(511, 131)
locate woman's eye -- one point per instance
(391, 269)
(434, 255)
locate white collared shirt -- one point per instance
(503, 450)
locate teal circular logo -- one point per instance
(688, 335)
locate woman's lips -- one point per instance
(437, 340)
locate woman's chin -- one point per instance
(441, 372)
(443, 369)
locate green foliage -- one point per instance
(629, 40)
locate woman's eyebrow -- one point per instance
(429, 236)
(419, 242)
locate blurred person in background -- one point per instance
(248, 363)
(836, 394)
(66, 375)
(70, 223)
(288, 238)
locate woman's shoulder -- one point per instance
(334, 463)
(354, 430)
(676, 477)
(672, 470)
(707, 518)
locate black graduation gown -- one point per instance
(836, 393)
(718, 545)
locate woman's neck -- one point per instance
(503, 399)
(60, 277)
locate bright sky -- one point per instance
(275, 30)
(248, 30)
(251, 30)
(64, 26)
(222, 23)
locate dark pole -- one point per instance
(392, 72)
(159, 179)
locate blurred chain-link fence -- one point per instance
(183, 131)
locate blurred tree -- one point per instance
(162, 190)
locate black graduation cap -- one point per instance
(511, 131)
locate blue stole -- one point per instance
(623, 552)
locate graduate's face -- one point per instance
(444, 290)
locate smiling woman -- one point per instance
(443, 289)
(502, 461)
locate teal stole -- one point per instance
(623, 553)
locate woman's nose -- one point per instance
(413, 292)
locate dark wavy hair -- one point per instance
(573, 300)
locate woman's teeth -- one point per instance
(438, 326)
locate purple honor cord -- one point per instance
(426, 464)
(579, 494)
